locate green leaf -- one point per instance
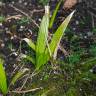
(42, 40)
(54, 14)
(30, 43)
(59, 33)
(32, 59)
(18, 75)
(57, 38)
(3, 82)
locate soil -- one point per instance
(22, 21)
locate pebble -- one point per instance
(0, 24)
(89, 34)
(2, 45)
(9, 20)
(91, 70)
(13, 2)
(85, 37)
(0, 3)
(12, 37)
(74, 29)
(14, 65)
(77, 22)
(80, 89)
(15, 36)
(25, 3)
(8, 32)
(6, 29)
(15, 53)
(21, 27)
(20, 1)
(39, 19)
(80, 35)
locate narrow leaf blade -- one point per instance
(42, 40)
(18, 75)
(3, 82)
(54, 14)
(31, 59)
(59, 33)
(56, 38)
(30, 43)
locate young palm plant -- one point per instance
(44, 50)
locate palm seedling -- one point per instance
(43, 49)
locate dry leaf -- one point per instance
(69, 4)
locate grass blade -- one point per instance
(3, 82)
(54, 14)
(30, 43)
(59, 33)
(18, 75)
(88, 64)
(31, 59)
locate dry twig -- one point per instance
(25, 91)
